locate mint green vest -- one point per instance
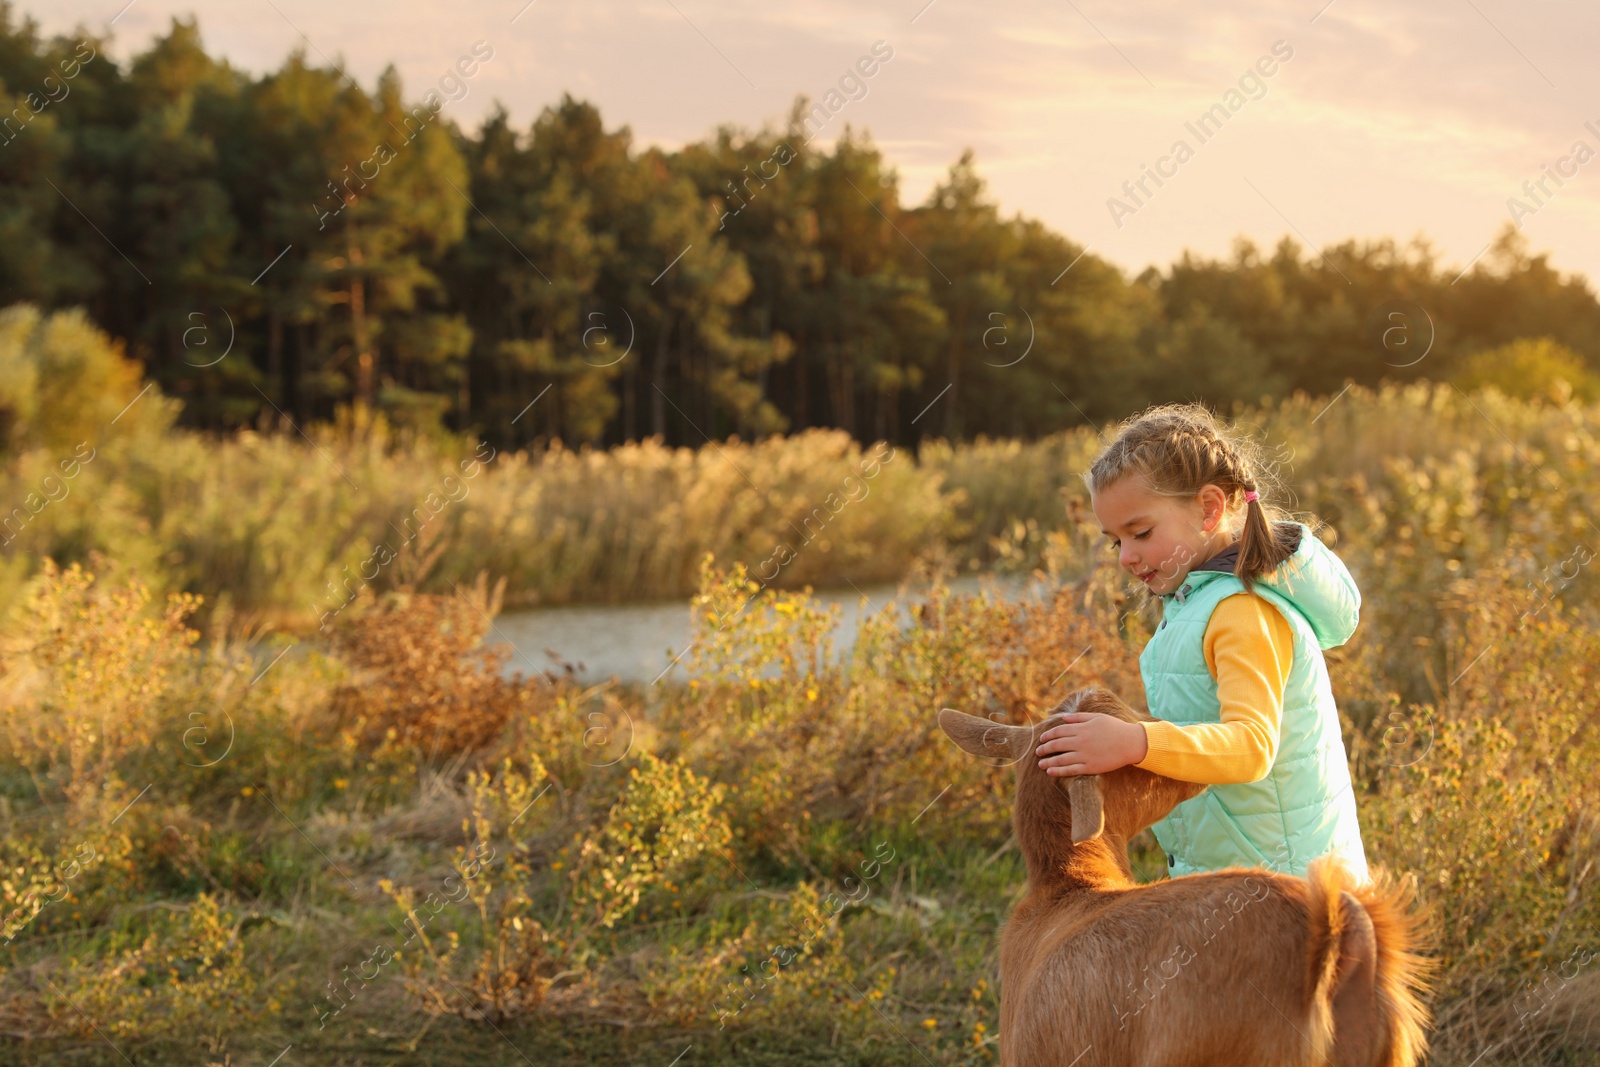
(1305, 806)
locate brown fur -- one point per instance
(1240, 967)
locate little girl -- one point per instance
(1234, 673)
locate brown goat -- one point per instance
(1096, 969)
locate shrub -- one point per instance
(500, 961)
(103, 674)
(1532, 368)
(425, 680)
(64, 381)
(187, 975)
(1489, 797)
(789, 953)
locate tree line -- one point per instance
(277, 248)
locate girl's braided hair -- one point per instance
(1176, 449)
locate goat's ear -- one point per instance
(982, 737)
(1086, 794)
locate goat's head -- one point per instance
(1053, 809)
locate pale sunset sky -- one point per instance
(1389, 119)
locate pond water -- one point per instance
(639, 642)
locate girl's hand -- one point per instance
(1089, 743)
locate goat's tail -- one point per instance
(1399, 928)
(1404, 975)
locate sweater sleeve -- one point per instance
(1248, 649)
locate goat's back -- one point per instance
(1206, 969)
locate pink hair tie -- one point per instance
(1251, 495)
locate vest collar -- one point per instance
(1223, 562)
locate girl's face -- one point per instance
(1159, 538)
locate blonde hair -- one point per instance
(1176, 449)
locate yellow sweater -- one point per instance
(1248, 648)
